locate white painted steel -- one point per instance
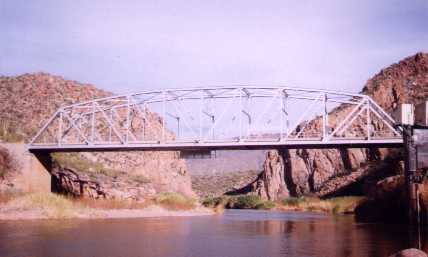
(218, 117)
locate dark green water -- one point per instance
(236, 233)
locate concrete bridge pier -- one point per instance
(39, 171)
(32, 169)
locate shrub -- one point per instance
(213, 202)
(7, 163)
(293, 201)
(266, 205)
(247, 202)
(175, 201)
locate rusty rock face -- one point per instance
(271, 184)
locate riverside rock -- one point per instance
(271, 184)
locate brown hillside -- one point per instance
(27, 101)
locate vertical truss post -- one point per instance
(368, 120)
(201, 105)
(163, 115)
(110, 127)
(143, 132)
(178, 127)
(128, 119)
(93, 124)
(60, 128)
(286, 113)
(281, 94)
(324, 118)
(241, 109)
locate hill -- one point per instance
(27, 101)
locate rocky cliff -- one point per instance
(329, 171)
(27, 101)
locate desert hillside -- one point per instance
(27, 101)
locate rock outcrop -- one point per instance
(229, 183)
(271, 184)
(307, 171)
(30, 99)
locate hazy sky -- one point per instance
(127, 46)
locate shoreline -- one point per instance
(149, 212)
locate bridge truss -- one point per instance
(238, 117)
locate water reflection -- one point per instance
(236, 233)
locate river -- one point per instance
(236, 233)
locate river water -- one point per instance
(236, 233)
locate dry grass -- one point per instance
(338, 205)
(110, 204)
(50, 205)
(175, 201)
(53, 206)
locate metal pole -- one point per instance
(212, 122)
(178, 127)
(240, 114)
(201, 105)
(60, 129)
(93, 124)
(368, 121)
(144, 121)
(163, 115)
(324, 118)
(110, 127)
(282, 115)
(128, 113)
(286, 111)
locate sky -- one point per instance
(131, 46)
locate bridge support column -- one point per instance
(40, 167)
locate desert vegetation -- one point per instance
(337, 205)
(75, 161)
(175, 201)
(47, 205)
(54, 206)
(250, 201)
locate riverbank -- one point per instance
(52, 206)
(336, 205)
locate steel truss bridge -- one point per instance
(237, 117)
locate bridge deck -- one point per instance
(217, 145)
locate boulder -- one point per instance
(412, 252)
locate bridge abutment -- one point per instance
(38, 172)
(32, 171)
